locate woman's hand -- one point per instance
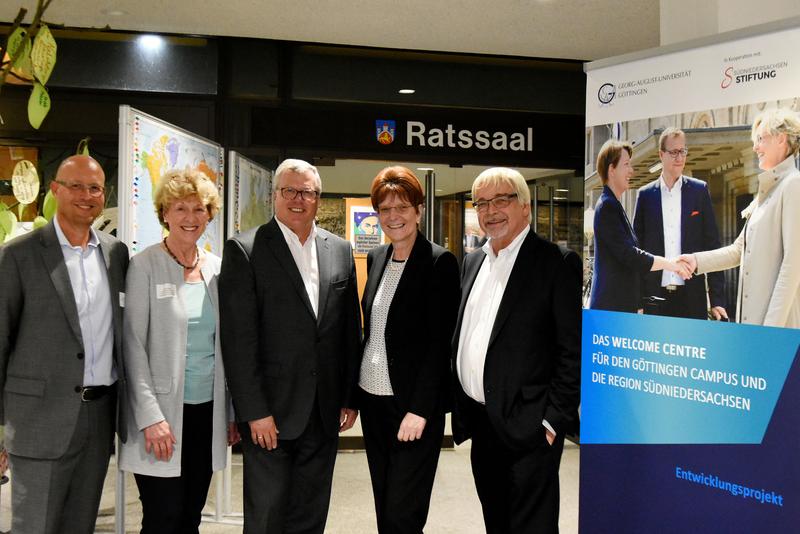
(233, 434)
(411, 427)
(159, 440)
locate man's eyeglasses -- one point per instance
(499, 202)
(290, 193)
(400, 210)
(678, 152)
(76, 188)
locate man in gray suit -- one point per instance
(61, 298)
(290, 341)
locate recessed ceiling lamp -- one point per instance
(407, 91)
(150, 43)
(113, 12)
(562, 190)
(655, 168)
(559, 198)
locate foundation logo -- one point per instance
(384, 131)
(727, 80)
(606, 93)
(745, 75)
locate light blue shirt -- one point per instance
(198, 385)
(89, 280)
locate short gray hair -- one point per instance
(295, 165)
(504, 176)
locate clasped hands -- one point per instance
(684, 265)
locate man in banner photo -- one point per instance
(674, 216)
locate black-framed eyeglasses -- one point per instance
(499, 202)
(678, 152)
(94, 190)
(290, 193)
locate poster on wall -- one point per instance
(363, 227)
(690, 368)
(250, 194)
(149, 147)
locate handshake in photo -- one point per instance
(684, 265)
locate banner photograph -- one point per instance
(692, 291)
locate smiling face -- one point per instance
(673, 166)
(77, 208)
(771, 149)
(296, 213)
(619, 175)
(186, 218)
(502, 225)
(398, 218)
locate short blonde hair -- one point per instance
(779, 121)
(504, 176)
(175, 185)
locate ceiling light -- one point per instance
(151, 43)
(562, 190)
(655, 168)
(113, 12)
(425, 169)
(406, 91)
(559, 198)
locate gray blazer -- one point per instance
(155, 357)
(41, 346)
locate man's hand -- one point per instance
(689, 260)
(347, 418)
(719, 313)
(233, 434)
(549, 436)
(411, 427)
(264, 433)
(159, 439)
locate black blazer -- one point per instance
(619, 263)
(698, 232)
(532, 369)
(278, 356)
(420, 324)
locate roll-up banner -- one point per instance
(690, 422)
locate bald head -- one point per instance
(80, 165)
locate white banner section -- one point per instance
(752, 69)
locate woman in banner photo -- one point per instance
(618, 261)
(768, 248)
(178, 428)
(410, 304)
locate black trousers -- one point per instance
(287, 490)
(174, 505)
(402, 473)
(678, 303)
(518, 489)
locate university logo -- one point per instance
(606, 93)
(384, 131)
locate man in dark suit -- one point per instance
(517, 359)
(673, 217)
(61, 370)
(291, 345)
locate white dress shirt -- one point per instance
(89, 280)
(480, 313)
(671, 216)
(305, 257)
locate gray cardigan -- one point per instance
(155, 330)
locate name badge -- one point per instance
(165, 291)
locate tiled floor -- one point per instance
(454, 507)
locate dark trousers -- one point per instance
(402, 473)
(174, 505)
(62, 496)
(679, 303)
(518, 489)
(287, 490)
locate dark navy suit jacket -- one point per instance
(698, 233)
(619, 263)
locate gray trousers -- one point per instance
(62, 496)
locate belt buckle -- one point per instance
(83, 394)
(671, 288)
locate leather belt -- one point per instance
(91, 393)
(673, 288)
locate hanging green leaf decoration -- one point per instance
(38, 105)
(43, 54)
(19, 47)
(49, 206)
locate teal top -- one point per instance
(198, 384)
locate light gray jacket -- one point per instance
(155, 331)
(768, 250)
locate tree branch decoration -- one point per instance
(28, 57)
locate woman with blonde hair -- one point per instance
(178, 428)
(768, 248)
